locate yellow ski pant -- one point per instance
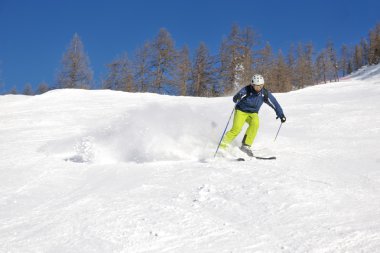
(240, 118)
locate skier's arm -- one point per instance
(272, 102)
(240, 95)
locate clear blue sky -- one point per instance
(34, 34)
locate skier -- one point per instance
(247, 104)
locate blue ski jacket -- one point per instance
(248, 100)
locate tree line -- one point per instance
(159, 67)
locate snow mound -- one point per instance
(112, 127)
(153, 132)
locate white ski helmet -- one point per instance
(257, 80)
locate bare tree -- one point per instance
(281, 81)
(75, 72)
(28, 91)
(304, 65)
(365, 49)
(321, 67)
(291, 62)
(204, 83)
(120, 76)
(344, 60)
(333, 60)
(183, 73)
(309, 64)
(13, 91)
(230, 60)
(162, 62)
(358, 57)
(236, 58)
(249, 40)
(374, 45)
(111, 79)
(42, 88)
(265, 64)
(141, 64)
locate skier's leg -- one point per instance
(250, 134)
(239, 120)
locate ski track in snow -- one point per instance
(105, 171)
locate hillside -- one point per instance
(106, 171)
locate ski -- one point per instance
(241, 159)
(265, 158)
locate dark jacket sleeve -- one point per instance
(272, 102)
(240, 95)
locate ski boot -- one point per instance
(247, 150)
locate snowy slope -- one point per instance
(105, 171)
(366, 73)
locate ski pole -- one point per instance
(224, 131)
(278, 132)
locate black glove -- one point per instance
(238, 97)
(282, 118)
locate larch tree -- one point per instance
(344, 60)
(358, 57)
(42, 88)
(333, 61)
(265, 64)
(229, 60)
(141, 68)
(249, 41)
(236, 58)
(183, 73)
(321, 67)
(109, 82)
(291, 62)
(374, 45)
(304, 65)
(13, 91)
(162, 62)
(75, 71)
(28, 91)
(120, 76)
(365, 49)
(204, 82)
(281, 81)
(309, 67)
